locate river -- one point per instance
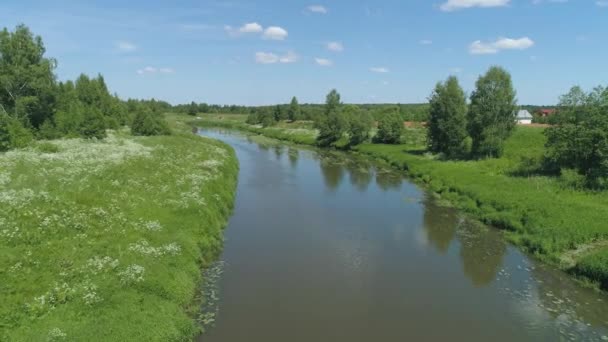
(324, 247)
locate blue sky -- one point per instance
(264, 52)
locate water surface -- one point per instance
(323, 247)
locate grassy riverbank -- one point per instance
(546, 216)
(105, 240)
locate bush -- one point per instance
(93, 125)
(148, 124)
(13, 134)
(390, 127)
(359, 127)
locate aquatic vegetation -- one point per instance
(113, 232)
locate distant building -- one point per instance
(524, 117)
(546, 112)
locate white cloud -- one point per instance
(154, 70)
(453, 5)
(484, 48)
(317, 9)
(456, 70)
(272, 58)
(245, 29)
(125, 46)
(275, 33)
(324, 62)
(426, 42)
(382, 70)
(602, 3)
(251, 28)
(335, 46)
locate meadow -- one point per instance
(551, 217)
(106, 239)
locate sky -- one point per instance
(266, 51)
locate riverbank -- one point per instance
(546, 216)
(105, 240)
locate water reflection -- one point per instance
(333, 172)
(481, 251)
(294, 155)
(440, 225)
(360, 175)
(389, 180)
(278, 151)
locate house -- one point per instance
(524, 117)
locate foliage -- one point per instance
(26, 77)
(333, 123)
(447, 126)
(193, 109)
(390, 128)
(294, 110)
(147, 123)
(12, 133)
(580, 140)
(93, 125)
(360, 125)
(491, 117)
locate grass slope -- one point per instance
(105, 240)
(545, 215)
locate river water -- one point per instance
(323, 247)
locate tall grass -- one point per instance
(105, 240)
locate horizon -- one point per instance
(239, 53)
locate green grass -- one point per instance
(544, 215)
(105, 240)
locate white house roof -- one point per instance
(524, 115)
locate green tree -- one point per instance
(148, 123)
(360, 125)
(447, 125)
(294, 111)
(390, 127)
(279, 113)
(12, 133)
(491, 117)
(267, 118)
(193, 108)
(93, 124)
(332, 123)
(580, 139)
(27, 81)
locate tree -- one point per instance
(360, 125)
(279, 113)
(390, 127)
(193, 109)
(147, 123)
(491, 117)
(294, 111)
(27, 81)
(580, 140)
(333, 123)
(267, 119)
(447, 125)
(12, 133)
(93, 125)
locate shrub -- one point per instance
(148, 124)
(93, 125)
(13, 134)
(390, 127)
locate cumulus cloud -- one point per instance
(125, 46)
(453, 5)
(382, 70)
(245, 29)
(323, 62)
(272, 58)
(317, 9)
(602, 3)
(426, 42)
(484, 48)
(275, 33)
(155, 70)
(335, 46)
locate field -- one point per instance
(548, 216)
(105, 240)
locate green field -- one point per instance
(547, 216)
(105, 240)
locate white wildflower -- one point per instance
(56, 334)
(132, 274)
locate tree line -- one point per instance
(35, 105)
